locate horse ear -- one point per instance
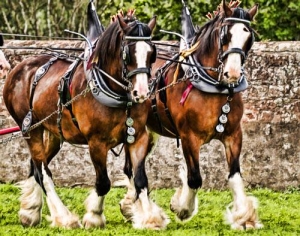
(252, 12)
(226, 9)
(1, 40)
(122, 23)
(152, 23)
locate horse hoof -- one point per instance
(243, 218)
(28, 220)
(125, 209)
(184, 209)
(91, 220)
(184, 215)
(147, 215)
(70, 222)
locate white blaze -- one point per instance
(141, 84)
(238, 39)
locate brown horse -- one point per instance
(4, 65)
(100, 103)
(201, 100)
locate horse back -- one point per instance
(18, 86)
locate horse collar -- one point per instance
(201, 80)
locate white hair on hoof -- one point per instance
(127, 202)
(95, 207)
(242, 212)
(31, 202)
(67, 221)
(184, 202)
(60, 215)
(147, 215)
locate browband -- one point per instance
(238, 20)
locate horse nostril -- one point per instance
(226, 74)
(135, 93)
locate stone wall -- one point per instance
(271, 151)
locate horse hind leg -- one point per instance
(94, 204)
(42, 151)
(184, 202)
(31, 200)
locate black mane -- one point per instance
(209, 32)
(109, 42)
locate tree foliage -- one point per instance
(277, 20)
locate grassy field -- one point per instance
(279, 212)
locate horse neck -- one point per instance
(113, 67)
(208, 58)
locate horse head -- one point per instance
(4, 65)
(125, 52)
(225, 42)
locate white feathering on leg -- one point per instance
(242, 212)
(94, 207)
(31, 202)
(60, 215)
(184, 202)
(147, 215)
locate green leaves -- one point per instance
(276, 20)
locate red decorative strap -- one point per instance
(186, 93)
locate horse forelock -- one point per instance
(240, 13)
(138, 29)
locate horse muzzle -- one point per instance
(4, 69)
(138, 96)
(4, 66)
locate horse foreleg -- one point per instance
(60, 216)
(131, 195)
(242, 212)
(184, 202)
(94, 216)
(94, 205)
(145, 213)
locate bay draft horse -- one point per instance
(201, 100)
(4, 64)
(113, 112)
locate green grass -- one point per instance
(279, 212)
